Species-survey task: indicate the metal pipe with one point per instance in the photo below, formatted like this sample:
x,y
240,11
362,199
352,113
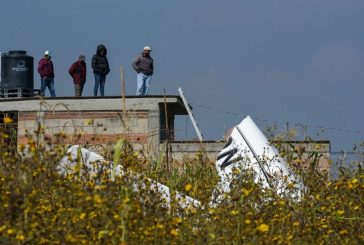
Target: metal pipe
x,y
199,135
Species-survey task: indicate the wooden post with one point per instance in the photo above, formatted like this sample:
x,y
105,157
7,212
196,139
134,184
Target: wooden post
x,y
167,129
122,77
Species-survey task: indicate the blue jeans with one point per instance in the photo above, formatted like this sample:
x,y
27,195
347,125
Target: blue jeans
x,y
47,83
99,81
143,84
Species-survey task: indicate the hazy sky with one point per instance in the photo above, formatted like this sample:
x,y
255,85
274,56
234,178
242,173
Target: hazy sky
x,y
296,61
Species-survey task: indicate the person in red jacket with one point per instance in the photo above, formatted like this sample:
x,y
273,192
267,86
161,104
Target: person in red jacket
x,y
78,73
46,72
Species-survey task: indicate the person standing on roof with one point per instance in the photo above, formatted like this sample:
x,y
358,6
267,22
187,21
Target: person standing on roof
x,y
143,65
46,72
100,66
78,73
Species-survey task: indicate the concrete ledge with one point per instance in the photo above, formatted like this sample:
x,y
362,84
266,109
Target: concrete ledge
x,y
187,147
112,103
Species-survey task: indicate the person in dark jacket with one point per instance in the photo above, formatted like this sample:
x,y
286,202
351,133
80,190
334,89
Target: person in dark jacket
x,y
78,73
143,65
46,72
100,66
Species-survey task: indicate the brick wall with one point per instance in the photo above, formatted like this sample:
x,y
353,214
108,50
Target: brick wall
x,y
23,116
85,127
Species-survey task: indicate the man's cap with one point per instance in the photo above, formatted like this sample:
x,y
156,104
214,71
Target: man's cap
x,y
147,48
47,53
81,57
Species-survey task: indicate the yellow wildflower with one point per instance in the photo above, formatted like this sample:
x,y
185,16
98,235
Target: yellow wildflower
x,y
98,199
234,212
174,232
159,226
20,237
263,228
126,200
101,234
147,232
93,215
282,203
7,120
177,220
340,212
354,181
247,222
236,171
82,216
188,187
246,192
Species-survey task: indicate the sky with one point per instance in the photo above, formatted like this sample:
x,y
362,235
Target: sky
x,y
289,63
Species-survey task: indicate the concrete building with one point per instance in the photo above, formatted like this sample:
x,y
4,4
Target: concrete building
x,y
306,153
99,122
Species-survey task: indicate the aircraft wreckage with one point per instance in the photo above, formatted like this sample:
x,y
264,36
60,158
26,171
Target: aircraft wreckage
x,y
246,148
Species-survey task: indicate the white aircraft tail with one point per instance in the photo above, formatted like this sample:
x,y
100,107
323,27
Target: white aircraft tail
x,y
248,148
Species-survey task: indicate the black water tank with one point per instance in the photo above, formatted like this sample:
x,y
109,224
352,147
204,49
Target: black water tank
x,y
17,70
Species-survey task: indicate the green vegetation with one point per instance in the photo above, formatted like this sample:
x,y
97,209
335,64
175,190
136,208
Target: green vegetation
x,y
39,206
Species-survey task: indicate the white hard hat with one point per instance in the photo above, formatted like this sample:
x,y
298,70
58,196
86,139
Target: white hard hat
x,y
147,48
48,53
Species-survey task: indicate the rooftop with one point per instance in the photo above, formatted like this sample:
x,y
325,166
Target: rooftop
x,y
91,103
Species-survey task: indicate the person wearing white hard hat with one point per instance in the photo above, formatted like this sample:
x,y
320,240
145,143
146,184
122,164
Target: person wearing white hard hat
x,y
46,72
143,65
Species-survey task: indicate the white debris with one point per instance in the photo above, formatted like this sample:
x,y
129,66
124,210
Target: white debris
x,y
248,148
83,159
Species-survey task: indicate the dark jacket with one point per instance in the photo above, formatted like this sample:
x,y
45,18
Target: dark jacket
x,y
78,72
99,62
45,68
144,64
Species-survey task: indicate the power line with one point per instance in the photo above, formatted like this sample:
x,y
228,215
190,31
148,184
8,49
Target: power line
x,y
272,122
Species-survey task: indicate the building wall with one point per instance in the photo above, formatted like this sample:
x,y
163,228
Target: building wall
x,y
306,153
85,127
185,150
93,120
98,121
298,153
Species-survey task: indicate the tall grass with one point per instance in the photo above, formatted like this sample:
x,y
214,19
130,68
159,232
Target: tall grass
x,y
39,206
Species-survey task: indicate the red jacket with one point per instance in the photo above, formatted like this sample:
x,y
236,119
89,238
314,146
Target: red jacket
x,y
78,72
45,68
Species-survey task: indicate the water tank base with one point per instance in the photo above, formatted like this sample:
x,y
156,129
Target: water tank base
x,y
16,93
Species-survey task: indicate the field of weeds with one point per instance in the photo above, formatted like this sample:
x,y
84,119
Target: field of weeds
x,y
40,206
